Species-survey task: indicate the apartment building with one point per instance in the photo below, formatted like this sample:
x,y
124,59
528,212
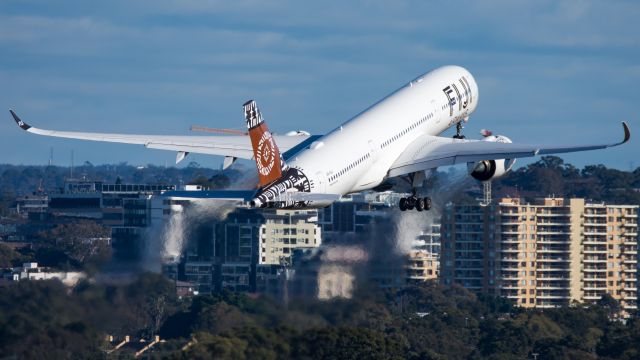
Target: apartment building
x,y
423,260
284,231
546,254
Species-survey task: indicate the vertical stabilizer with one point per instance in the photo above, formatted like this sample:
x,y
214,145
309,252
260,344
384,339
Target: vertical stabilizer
x,y
269,162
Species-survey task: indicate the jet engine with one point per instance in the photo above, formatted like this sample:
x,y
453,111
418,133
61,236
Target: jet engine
x,y
486,170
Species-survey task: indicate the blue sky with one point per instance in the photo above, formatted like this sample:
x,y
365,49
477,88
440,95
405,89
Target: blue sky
x,y
548,71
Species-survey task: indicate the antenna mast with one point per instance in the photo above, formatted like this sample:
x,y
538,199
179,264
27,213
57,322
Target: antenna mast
x,y
71,169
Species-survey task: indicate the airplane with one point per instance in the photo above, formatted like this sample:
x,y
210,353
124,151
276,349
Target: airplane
x,y
395,138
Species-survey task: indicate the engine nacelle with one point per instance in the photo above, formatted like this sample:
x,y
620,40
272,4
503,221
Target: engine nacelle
x,y
486,170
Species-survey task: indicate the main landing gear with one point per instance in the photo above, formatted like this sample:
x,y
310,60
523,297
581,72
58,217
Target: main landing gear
x,y
414,202
458,134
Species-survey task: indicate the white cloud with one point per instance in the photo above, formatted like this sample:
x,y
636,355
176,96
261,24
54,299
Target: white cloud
x,y
162,65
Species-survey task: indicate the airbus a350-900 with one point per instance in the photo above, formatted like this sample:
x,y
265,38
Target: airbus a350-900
x,y
397,137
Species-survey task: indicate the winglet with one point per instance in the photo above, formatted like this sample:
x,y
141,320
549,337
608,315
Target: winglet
x,y
627,132
20,123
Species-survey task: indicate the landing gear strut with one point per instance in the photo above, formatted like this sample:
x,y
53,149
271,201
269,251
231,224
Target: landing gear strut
x,y
458,134
414,202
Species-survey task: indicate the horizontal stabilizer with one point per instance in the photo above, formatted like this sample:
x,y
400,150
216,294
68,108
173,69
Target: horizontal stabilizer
x,y
229,195
304,196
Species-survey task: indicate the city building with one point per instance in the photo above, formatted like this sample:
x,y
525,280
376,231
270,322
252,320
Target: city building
x,y
128,209
354,213
31,271
423,260
550,253
325,273
34,203
272,280
287,230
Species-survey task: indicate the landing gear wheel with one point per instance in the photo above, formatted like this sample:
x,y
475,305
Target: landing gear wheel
x,y
427,203
403,204
458,134
411,202
420,204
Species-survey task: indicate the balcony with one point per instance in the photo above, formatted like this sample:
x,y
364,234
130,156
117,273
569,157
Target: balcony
x,y
551,214
553,223
509,222
595,223
552,287
508,287
552,297
552,251
594,251
595,278
552,268
594,288
552,278
552,259
592,233
593,242
511,278
544,241
595,214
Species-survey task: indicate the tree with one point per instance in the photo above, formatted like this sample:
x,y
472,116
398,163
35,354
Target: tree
x,y
609,304
83,242
10,258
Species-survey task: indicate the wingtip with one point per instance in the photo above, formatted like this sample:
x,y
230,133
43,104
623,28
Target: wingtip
x,y
627,132
18,121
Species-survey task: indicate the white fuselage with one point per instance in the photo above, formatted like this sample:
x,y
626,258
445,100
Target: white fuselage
x,y
357,155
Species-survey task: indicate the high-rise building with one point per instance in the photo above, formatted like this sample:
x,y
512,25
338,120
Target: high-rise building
x,y
287,230
128,209
423,261
354,214
547,254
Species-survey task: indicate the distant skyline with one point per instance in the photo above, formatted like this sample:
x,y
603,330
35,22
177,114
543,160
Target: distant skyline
x,y
548,71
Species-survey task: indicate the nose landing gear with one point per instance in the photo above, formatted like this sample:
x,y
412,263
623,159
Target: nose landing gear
x,y
458,134
414,202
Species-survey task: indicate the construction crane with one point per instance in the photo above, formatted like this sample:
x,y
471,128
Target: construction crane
x,y
217,131
486,194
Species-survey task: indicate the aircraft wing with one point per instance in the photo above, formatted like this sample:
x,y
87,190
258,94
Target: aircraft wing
x,y
238,146
430,152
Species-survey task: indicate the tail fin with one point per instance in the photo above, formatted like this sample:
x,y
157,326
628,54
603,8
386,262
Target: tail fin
x,y
265,151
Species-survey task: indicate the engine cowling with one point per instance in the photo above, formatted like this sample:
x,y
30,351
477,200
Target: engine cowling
x,y
486,170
